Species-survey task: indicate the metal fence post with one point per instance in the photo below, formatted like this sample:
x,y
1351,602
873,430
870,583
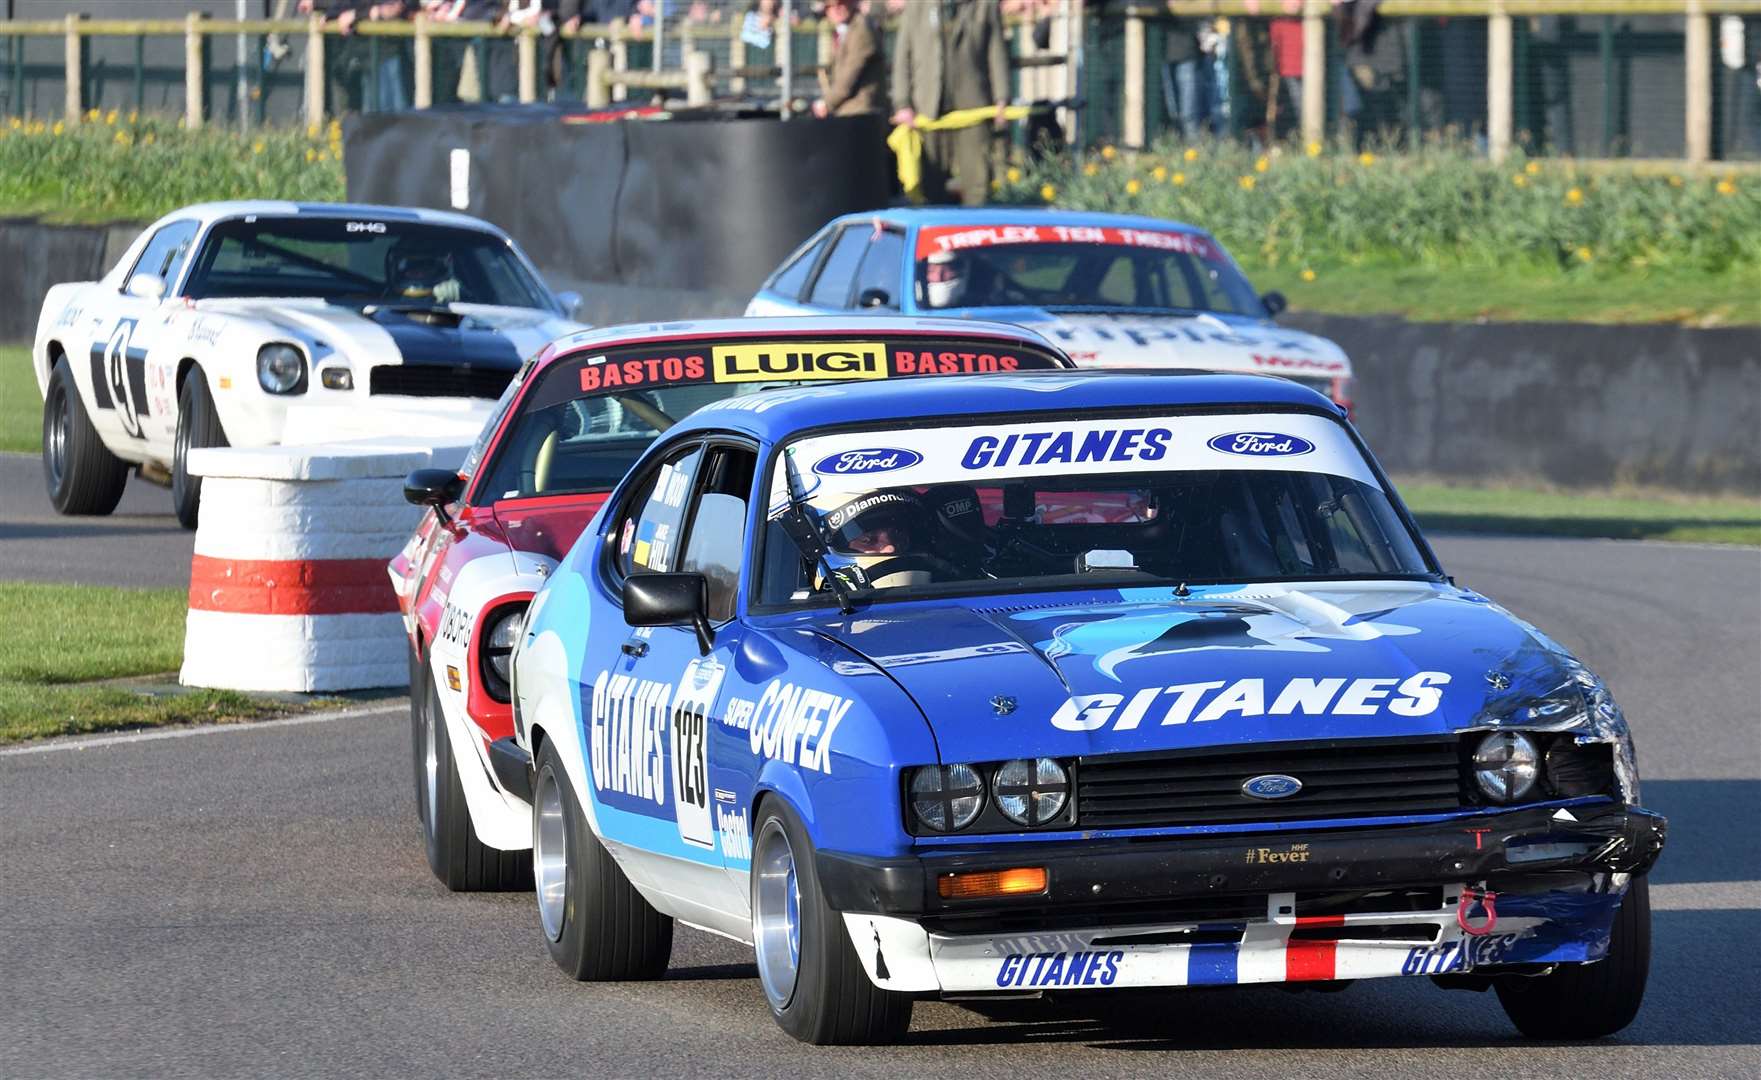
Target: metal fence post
x,y
74,105
783,42
1498,82
192,70
1131,120
315,70
737,60
1699,75
424,64
620,57
1314,71
527,48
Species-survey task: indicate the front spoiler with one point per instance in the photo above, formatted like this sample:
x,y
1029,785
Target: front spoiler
x,y
1099,881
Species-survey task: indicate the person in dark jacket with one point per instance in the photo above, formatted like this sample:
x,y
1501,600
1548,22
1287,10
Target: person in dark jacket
x,y
856,80
951,55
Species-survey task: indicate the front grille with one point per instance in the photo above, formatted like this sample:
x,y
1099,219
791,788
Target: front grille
x,y
439,380
1360,778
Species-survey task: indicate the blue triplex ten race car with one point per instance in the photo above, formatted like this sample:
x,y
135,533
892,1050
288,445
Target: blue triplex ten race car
x,y
1054,682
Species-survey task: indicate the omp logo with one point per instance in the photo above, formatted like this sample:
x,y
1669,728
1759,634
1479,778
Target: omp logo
x,y
1260,444
799,360
863,462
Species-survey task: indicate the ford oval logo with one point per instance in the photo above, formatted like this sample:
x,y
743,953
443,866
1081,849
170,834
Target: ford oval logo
x,y
1261,444
862,462
1271,786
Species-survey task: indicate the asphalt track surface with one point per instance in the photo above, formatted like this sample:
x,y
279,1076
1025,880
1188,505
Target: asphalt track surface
x,y
140,544
254,901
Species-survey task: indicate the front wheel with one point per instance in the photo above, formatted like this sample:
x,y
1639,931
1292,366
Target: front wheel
x,y
812,977
462,862
1588,1001
82,475
598,927
198,426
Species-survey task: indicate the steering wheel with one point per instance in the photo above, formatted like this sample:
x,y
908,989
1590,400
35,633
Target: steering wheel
x,y
903,564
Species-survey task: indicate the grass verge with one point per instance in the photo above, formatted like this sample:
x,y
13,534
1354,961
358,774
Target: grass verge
x,y
21,406
1618,515
61,638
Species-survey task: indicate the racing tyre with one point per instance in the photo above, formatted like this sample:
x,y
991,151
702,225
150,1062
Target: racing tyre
x,y
198,426
812,977
598,927
83,476
1588,1001
462,862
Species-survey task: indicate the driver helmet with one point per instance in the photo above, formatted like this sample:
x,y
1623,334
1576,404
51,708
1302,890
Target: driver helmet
x,y
417,271
878,528
944,279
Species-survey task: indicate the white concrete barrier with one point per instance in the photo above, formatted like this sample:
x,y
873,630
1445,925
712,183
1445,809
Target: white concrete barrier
x,y
288,587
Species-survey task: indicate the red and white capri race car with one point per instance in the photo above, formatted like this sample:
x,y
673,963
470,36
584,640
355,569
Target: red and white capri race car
x,y
570,424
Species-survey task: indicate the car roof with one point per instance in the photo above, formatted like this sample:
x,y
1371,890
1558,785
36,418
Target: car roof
x,y
792,409
217,211
906,217
606,337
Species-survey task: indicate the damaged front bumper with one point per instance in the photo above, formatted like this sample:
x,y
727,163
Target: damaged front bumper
x,y
1237,908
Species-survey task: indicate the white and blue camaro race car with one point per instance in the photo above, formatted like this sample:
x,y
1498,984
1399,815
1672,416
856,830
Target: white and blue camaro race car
x,y
221,319
1061,682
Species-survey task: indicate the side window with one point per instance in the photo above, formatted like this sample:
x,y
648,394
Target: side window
x,y
165,253
881,268
789,280
651,522
832,287
717,542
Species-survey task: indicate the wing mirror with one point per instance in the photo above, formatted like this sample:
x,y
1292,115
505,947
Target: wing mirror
x,y
147,286
570,300
873,298
670,600
1275,303
434,487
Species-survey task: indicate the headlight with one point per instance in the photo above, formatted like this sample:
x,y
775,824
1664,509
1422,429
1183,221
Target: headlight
x,y
496,652
1031,792
281,369
1506,765
946,797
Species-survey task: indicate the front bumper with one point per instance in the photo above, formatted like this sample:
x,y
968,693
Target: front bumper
x,y
1286,907
1114,877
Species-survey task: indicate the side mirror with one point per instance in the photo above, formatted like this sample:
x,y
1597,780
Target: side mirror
x,y
146,286
570,300
1275,303
873,298
434,487
669,600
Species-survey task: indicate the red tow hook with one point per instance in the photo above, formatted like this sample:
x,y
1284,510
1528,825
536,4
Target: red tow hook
x,y
1487,899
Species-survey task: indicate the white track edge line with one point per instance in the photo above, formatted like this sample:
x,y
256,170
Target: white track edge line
x,y
88,742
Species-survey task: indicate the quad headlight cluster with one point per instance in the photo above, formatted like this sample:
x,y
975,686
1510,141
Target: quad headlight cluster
x,y
1520,766
1025,793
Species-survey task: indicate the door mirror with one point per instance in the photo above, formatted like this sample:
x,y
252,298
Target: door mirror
x,y
669,600
146,286
1275,303
434,487
570,300
873,298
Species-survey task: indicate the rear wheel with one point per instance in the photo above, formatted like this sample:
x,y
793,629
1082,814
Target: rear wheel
x,y
462,862
83,476
198,426
1588,1001
598,927
812,977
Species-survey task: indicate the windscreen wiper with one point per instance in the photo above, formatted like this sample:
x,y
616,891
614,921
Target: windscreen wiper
x,y
800,528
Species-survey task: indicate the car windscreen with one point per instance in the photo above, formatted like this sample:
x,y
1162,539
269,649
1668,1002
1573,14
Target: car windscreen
x,y
1118,502
587,418
361,261
1078,267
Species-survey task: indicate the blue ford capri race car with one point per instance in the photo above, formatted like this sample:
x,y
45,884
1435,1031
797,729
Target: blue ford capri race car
x,y
1033,683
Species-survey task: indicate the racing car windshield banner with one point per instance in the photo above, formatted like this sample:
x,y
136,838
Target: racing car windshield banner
x,y
949,238
743,364
834,467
